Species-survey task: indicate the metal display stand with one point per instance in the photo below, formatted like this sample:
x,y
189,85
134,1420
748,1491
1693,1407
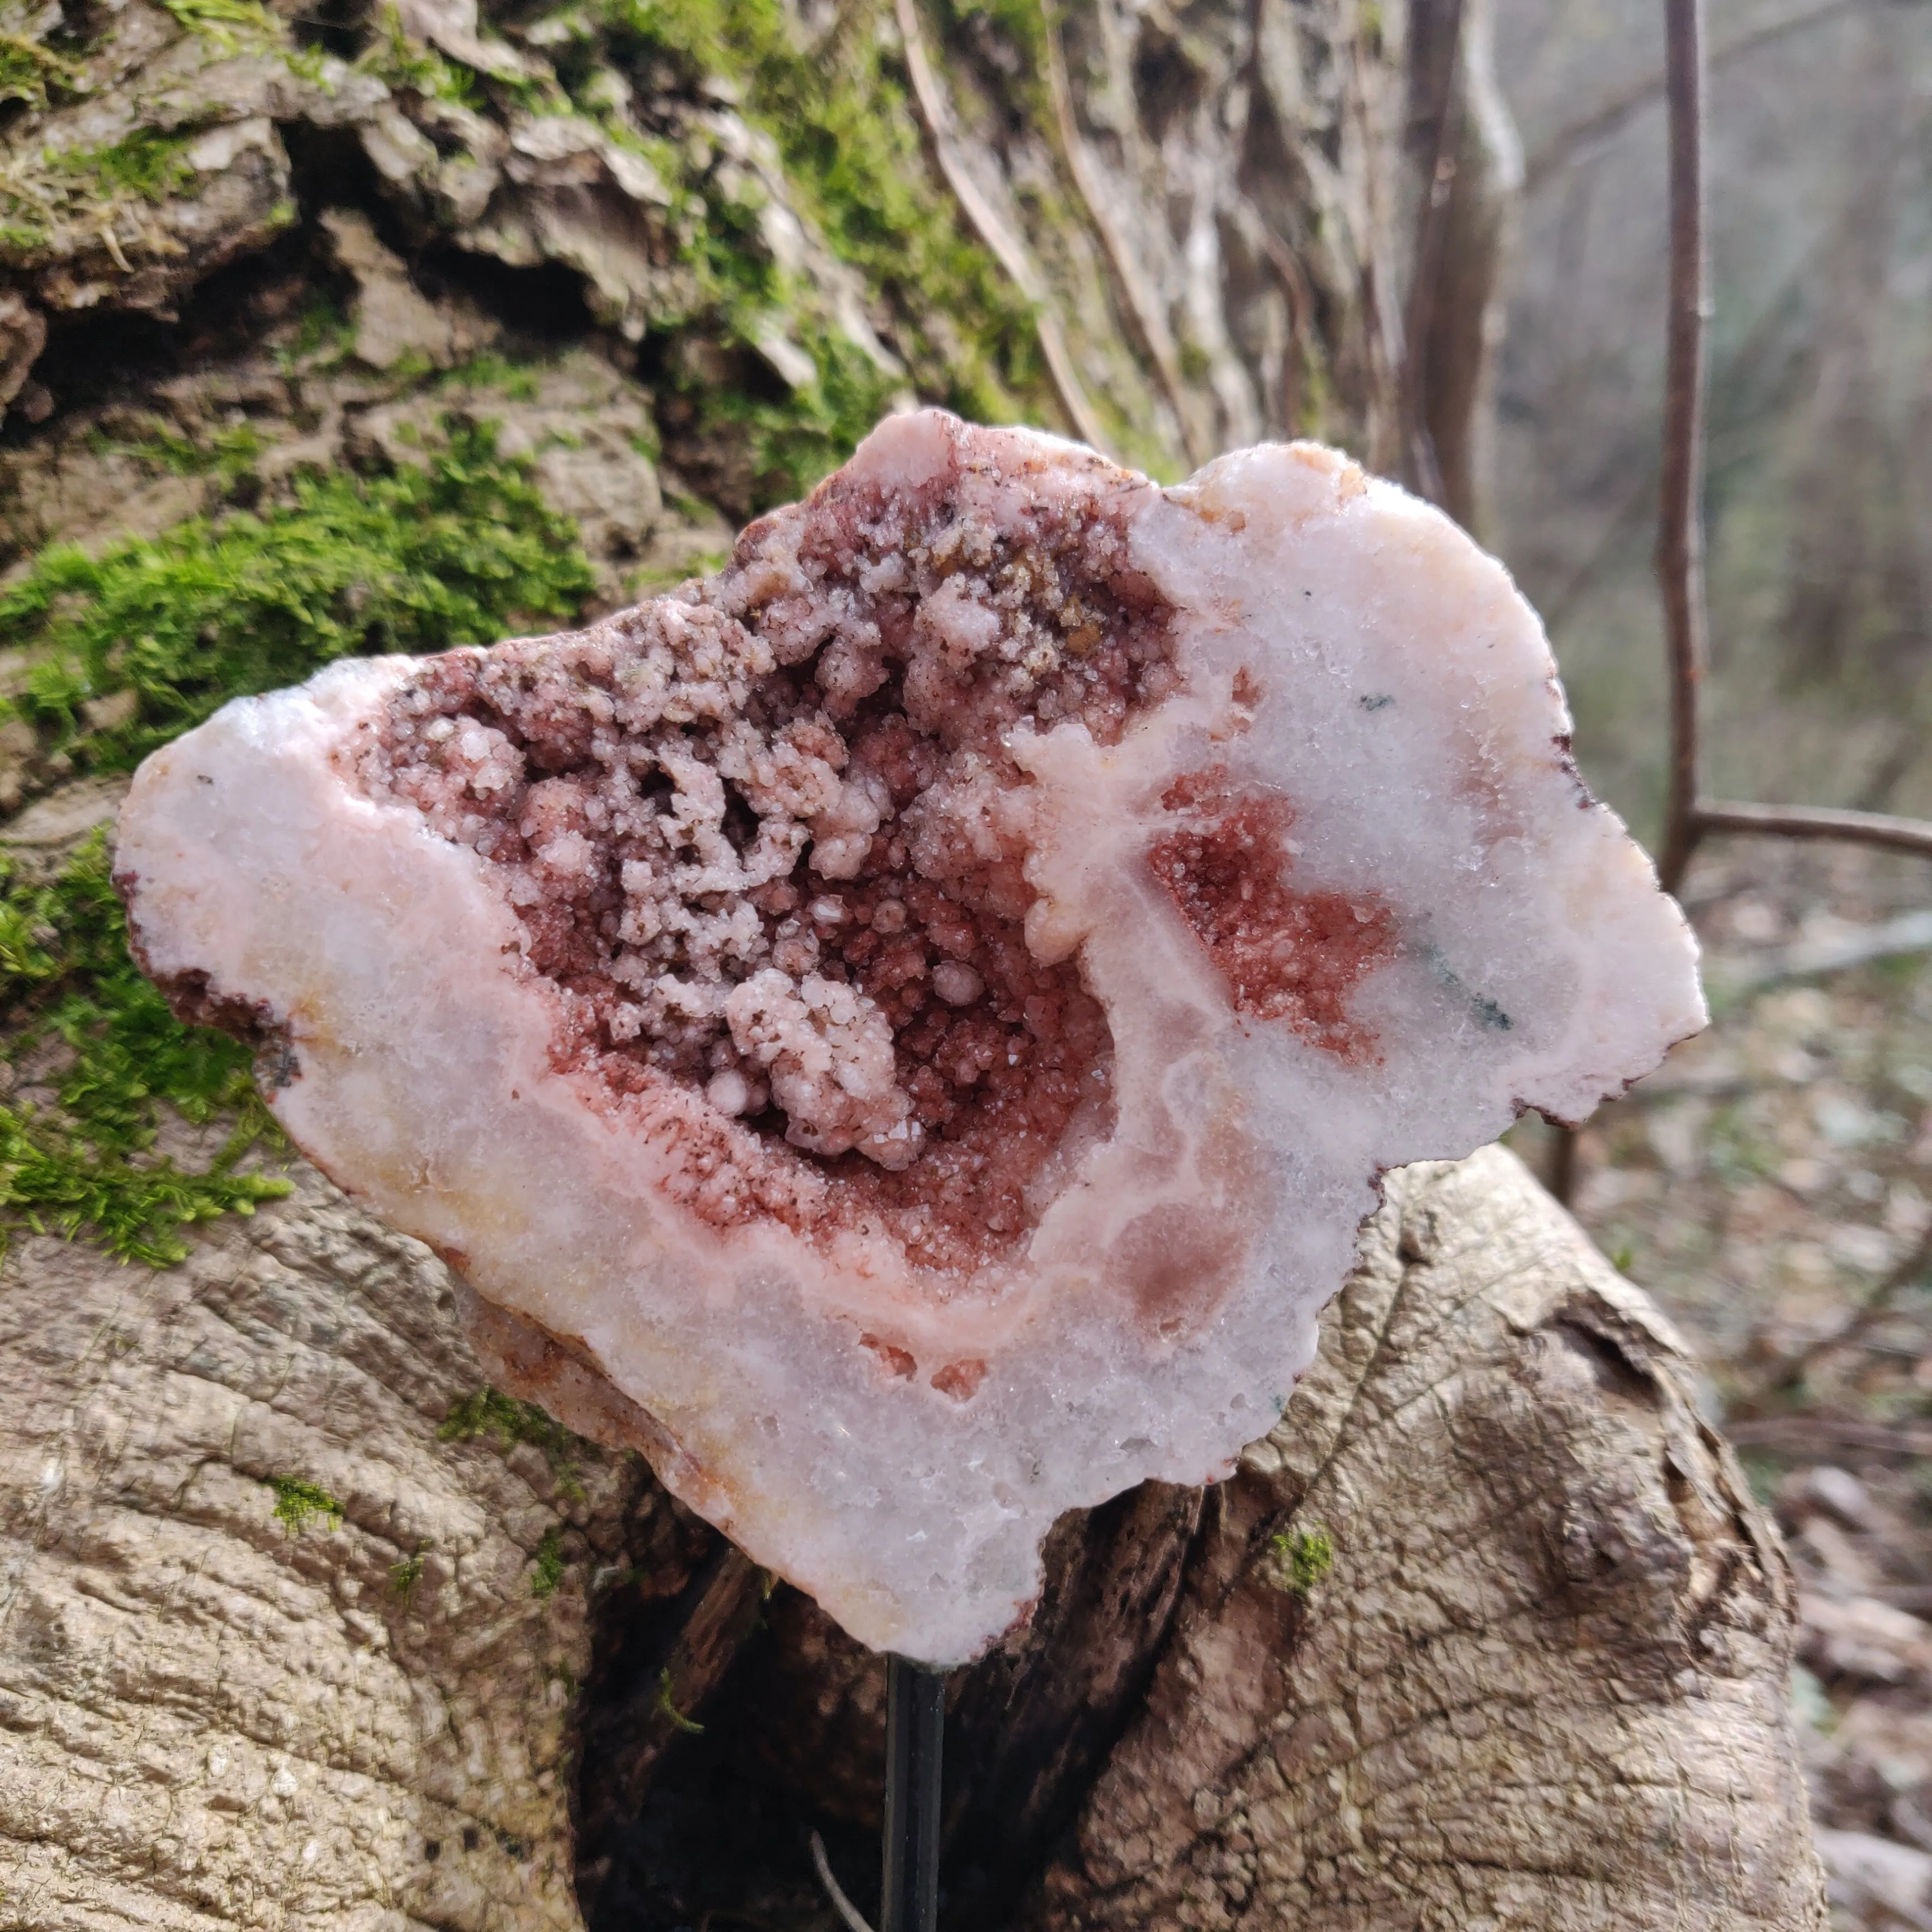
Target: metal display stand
x,y
915,1738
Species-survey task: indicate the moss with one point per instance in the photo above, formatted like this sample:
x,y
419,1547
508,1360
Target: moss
x,y
148,165
668,1706
651,581
31,73
547,1572
399,62
517,381
84,1165
37,194
461,551
405,1575
227,23
1012,34
222,20
1303,1557
324,334
40,194
850,145
298,1502
488,1412
229,454
793,442
395,57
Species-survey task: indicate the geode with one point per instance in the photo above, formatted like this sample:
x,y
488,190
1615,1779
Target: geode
x,y
922,1012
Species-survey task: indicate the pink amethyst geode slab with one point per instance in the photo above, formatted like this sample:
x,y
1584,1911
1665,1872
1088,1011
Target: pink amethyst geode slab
x,y
923,1012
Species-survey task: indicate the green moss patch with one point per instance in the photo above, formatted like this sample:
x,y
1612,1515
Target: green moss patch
x,y
461,551
127,650
849,143
488,1414
231,26
230,453
43,190
1302,1558
298,1502
35,73
547,1573
109,1058
405,1575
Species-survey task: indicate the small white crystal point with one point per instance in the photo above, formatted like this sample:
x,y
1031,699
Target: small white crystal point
x,y
926,1011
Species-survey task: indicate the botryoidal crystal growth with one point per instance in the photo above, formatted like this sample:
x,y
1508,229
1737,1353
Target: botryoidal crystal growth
x,y
923,1012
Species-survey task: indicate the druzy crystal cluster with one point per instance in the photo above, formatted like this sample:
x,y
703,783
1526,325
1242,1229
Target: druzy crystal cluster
x,y
921,1014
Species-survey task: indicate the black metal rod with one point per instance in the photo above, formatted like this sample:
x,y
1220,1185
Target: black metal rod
x,y
915,1737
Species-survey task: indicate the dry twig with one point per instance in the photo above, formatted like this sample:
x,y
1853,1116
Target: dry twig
x,y
1806,1434
853,1917
1787,1375
1689,816
1680,529
1807,821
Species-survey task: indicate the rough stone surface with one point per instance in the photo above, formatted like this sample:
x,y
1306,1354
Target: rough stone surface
x,y
391,319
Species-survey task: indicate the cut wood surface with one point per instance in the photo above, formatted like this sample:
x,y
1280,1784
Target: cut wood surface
x,y
214,1718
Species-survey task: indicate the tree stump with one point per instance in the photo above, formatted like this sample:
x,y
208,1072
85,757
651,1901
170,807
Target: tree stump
x,y
308,1617
1488,1631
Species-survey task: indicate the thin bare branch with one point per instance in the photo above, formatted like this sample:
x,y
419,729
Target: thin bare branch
x,y
1788,1373
1805,821
1566,143
1812,1435
1425,471
1680,525
855,1919
935,110
1143,307
1680,530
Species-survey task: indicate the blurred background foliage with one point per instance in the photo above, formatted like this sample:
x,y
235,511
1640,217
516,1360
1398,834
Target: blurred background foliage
x,y
1820,462
1770,1184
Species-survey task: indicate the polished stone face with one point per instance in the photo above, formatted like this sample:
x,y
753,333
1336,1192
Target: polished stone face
x,y
925,1009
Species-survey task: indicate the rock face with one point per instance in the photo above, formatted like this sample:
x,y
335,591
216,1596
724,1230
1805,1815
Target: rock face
x,y
924,1012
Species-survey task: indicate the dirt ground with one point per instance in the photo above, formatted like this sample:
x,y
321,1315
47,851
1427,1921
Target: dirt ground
x,y
1771,1186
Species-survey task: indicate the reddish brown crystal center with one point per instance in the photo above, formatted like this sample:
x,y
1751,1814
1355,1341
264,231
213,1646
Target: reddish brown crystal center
x,y
765,838
1286,954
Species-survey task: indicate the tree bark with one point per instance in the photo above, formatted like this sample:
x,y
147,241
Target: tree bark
x,y
1541,1681
306,1620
